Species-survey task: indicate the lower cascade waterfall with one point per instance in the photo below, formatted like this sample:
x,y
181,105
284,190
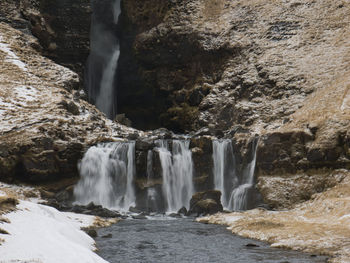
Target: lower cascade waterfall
x,y
107,172
233,186
152,195
177,172
224,171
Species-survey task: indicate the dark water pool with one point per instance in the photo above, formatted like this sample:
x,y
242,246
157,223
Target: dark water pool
x,y
182,240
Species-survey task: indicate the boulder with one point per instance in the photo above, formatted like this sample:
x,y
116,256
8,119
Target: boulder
x,y
207,202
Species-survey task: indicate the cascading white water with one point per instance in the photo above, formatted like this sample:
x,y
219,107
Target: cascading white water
x,y
239,196
151,192
224,169
104,101
103,59
234,187
177,172
107,172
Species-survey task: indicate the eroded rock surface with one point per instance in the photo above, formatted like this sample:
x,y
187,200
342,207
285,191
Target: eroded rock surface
x,y
62,27
45,127
234,69
222,63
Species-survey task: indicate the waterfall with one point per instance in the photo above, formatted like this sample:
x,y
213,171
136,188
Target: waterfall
x,y
177,172
224,169
151,191
107,172
103,59
104,101
234,186
240,195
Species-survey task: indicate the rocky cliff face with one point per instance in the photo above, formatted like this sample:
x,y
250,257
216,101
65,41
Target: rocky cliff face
x,y
61,26
222,63
230,69
239,68
45,122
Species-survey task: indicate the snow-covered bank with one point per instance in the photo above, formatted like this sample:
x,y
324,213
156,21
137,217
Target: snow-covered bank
x,y
321,225
38,233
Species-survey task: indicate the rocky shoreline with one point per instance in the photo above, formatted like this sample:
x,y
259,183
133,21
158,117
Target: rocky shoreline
x,y
320,225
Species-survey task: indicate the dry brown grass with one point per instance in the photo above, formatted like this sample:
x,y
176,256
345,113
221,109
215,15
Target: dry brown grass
x,y
213,8
321,225
332,102
7,204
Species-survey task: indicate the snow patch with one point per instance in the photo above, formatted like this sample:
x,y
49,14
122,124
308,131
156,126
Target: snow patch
x,y
231,219
40,233
345,216
26,93
11,57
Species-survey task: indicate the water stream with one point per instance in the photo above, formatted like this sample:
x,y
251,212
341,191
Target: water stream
x,y
182,240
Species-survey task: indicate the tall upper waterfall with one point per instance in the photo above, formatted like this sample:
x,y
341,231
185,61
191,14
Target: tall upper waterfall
x,y
103,59
234,186
177,172
107,173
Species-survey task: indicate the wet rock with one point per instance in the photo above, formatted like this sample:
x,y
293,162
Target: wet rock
x,y
92,233
207,202
122,119
144,144
140,217
4,232
63,196
252,245
175,215
103,212
133,136
315,155
7,204
182,211
92,206
134,210
107,236
73,108
46,194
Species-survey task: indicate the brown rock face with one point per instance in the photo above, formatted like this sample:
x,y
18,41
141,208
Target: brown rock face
x,y
204,203
220,63
232,68
239,67
45,127
63,29
61,26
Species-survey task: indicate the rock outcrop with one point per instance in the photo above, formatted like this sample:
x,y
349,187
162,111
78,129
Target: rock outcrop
x,y
62,27
45,125
222,63
205,203
238,68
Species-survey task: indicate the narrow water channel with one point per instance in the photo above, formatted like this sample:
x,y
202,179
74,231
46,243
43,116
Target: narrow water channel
x,y
182,240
